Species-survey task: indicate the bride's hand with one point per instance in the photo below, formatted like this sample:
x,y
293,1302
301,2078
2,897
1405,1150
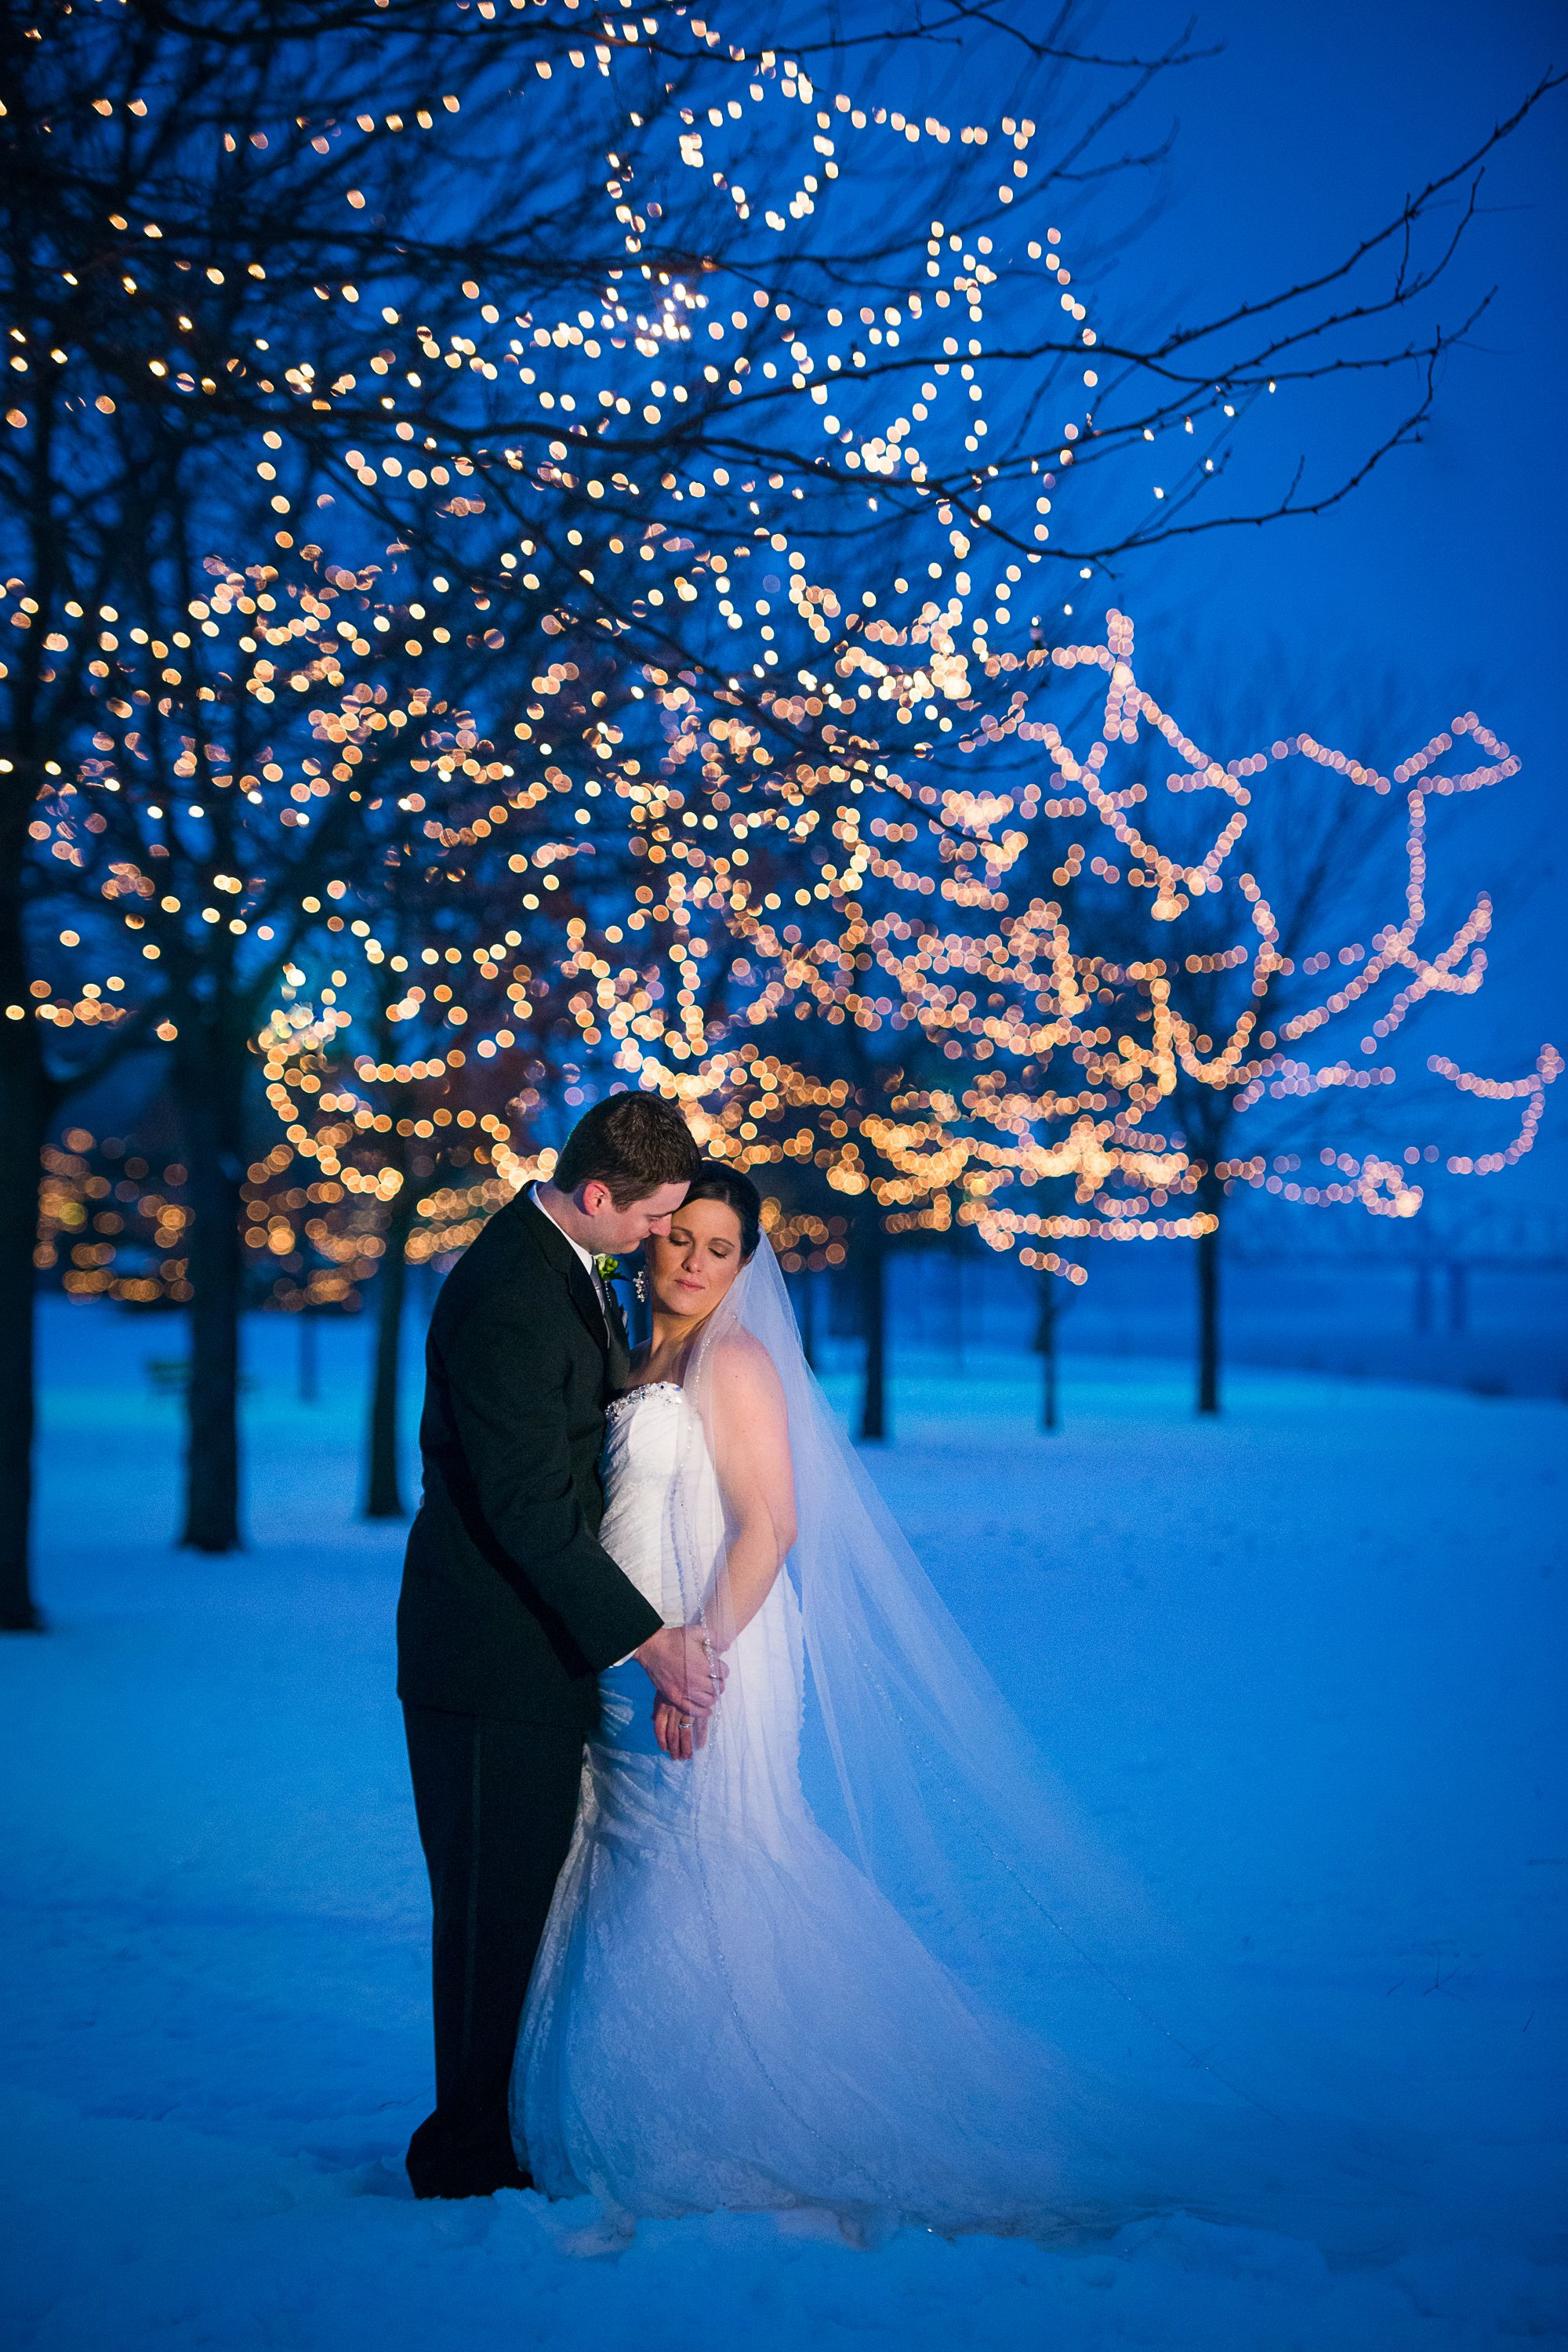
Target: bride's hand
x,y
678,1734
680,1663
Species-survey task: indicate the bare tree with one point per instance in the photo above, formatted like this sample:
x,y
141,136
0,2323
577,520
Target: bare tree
x,y
197,849
1266,925
446,967
185,205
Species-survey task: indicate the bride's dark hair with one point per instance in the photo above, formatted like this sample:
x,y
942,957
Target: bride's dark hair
x,y
714,1182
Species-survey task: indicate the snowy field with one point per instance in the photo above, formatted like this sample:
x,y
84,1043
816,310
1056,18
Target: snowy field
x,y
1303,1669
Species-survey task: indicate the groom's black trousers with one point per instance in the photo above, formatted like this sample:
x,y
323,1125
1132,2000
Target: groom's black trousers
x,y
496,1801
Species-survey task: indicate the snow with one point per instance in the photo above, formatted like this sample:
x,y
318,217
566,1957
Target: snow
x,y
1298,1666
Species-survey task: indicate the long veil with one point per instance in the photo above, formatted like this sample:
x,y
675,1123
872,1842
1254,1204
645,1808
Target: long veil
x,y
917,1770
911,1759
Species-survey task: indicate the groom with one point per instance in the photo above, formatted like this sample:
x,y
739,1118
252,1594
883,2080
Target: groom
x,y
510,1608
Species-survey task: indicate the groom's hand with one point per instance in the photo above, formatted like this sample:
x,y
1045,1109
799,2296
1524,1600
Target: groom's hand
x,y
683,1670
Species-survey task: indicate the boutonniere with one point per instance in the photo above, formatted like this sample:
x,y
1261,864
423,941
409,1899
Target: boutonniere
x,y
609,1269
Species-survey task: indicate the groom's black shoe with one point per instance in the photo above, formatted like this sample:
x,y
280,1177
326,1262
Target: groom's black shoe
x,y
435,2168
471,2184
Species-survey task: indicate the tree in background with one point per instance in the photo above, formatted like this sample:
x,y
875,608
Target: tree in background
x,y
177,201
826,1028
409,1073
782,745
1252,907
185,209
927,1072
236,777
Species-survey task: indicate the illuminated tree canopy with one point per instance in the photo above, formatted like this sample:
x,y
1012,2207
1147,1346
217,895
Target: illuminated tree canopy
x,y
533,547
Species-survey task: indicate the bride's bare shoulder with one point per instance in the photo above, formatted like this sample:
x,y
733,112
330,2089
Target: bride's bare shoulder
x,y
742,1367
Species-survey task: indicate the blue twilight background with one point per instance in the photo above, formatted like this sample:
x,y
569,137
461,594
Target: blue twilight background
x,y
1447,569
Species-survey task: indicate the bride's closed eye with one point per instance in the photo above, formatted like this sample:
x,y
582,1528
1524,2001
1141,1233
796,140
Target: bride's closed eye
x,y
683,1240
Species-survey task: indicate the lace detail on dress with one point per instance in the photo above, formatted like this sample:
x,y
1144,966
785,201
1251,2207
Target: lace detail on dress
x,y
643,1388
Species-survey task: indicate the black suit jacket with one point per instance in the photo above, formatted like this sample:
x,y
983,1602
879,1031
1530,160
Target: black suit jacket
x,y
510,1606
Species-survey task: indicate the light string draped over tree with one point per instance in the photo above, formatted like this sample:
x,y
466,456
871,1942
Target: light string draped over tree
x,y
1227,937
199,847
1102,1070
180,204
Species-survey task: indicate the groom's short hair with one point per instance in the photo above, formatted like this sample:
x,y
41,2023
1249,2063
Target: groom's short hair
x,y
632,1144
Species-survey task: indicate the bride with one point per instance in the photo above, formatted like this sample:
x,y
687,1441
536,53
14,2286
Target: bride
x,y
801,1953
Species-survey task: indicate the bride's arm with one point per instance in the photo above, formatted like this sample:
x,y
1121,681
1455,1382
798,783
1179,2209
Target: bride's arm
x,y
750,1436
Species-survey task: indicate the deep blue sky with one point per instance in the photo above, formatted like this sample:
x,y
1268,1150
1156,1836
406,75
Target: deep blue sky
x,y
1448,568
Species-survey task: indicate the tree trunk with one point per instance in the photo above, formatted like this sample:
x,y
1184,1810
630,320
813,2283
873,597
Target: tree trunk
x,y
958,1301
211,1082
1045,1341
383,1490
1459,1296
872,1254
1209,1200
24,1111
806,1298
1422,1301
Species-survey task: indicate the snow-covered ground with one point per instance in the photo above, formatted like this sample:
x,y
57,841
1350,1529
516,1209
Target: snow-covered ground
x,y
1303,1668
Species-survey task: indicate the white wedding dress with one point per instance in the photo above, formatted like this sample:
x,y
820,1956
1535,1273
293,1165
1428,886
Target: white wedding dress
x,y
726,2011
861,1954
